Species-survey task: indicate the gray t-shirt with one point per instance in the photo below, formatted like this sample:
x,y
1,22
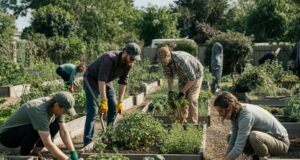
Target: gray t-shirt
x,y
35,112
253,118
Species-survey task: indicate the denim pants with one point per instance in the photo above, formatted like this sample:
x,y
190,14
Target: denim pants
x,y
92,111
26,137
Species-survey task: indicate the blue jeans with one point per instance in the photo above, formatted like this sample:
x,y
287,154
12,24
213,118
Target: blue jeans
x,y
92,111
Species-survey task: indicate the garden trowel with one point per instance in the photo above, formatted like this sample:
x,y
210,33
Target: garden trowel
x,y
96,103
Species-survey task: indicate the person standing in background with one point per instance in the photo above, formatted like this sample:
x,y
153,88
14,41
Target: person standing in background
x,y
216,65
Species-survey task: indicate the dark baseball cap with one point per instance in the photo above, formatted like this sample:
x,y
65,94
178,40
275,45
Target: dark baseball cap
x,y
66,100
133,50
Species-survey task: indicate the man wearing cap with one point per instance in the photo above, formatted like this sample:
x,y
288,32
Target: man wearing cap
x,y
36,122
100,75
190,73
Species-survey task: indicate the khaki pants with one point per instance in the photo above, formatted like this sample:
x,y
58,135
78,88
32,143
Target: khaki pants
x,y
265,145
192,95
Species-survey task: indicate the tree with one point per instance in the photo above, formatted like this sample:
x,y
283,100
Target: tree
x,y
158,23
268,20
202,11
53,21
7,31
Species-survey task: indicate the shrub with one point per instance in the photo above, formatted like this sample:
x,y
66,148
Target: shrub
x,y
293,107
182,140
251,79
188,46
138,131
66,49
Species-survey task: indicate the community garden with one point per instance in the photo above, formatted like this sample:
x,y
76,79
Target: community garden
x,y
151,126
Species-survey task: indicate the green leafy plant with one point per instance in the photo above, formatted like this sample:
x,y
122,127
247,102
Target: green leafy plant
x,y
139,132
2,100
293,107
107,157
182,140
6,112
187,45
251,79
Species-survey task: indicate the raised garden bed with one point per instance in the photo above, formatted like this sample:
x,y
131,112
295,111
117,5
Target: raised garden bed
x,y
152,87
273,101
14,91
91,150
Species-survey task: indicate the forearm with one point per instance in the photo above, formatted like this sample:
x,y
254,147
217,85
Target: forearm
x,y
187,86
55,151
102,90
65,136
170,83
121,92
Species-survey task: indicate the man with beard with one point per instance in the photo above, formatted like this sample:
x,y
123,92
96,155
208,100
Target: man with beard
x,y
100,75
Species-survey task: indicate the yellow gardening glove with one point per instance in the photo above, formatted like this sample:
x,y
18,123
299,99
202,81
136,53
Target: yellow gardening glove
x,y
120,107
104,106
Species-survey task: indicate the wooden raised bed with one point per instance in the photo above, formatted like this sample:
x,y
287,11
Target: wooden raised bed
x,y
291,125
14,91
152,87
279,101
138,156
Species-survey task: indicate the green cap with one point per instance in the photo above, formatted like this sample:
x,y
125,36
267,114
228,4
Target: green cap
x,y
66,100
133,50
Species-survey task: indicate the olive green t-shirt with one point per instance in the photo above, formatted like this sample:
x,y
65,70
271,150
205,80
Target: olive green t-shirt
x,y
35,112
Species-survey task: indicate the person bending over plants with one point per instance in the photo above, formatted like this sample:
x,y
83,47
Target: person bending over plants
x,y
36,122
255,131
190,73
68,72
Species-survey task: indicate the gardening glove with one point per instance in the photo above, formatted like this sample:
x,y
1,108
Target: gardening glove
x,y
180,95
103,106
120,107
74,155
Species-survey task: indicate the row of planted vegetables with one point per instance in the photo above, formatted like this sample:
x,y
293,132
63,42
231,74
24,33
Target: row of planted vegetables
x,y
38,90
271,87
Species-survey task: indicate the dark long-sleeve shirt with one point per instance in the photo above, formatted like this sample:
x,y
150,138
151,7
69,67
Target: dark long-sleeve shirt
x,y
107,68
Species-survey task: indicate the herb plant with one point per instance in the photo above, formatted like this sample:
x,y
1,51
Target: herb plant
x,y
182,140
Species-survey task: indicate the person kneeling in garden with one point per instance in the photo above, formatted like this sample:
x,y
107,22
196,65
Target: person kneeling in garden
x,y
68,72
36,122
255,131
190,73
